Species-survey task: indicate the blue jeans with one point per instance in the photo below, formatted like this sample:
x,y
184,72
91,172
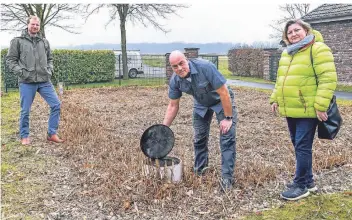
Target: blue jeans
x,y
27,94
302,131
227,143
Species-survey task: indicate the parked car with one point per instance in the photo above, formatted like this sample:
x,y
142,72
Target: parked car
x,y
134,63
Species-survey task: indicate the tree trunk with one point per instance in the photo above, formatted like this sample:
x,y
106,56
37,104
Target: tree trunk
x,y
42,31
123,48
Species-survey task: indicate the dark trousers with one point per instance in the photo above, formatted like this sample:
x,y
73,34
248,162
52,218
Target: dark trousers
x,y
227,143
302,131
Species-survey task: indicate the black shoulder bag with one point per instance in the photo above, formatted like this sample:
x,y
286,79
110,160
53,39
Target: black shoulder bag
x,y
328,129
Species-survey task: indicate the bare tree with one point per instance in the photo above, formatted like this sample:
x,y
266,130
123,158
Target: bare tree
x,y
14,16
138,13
292,11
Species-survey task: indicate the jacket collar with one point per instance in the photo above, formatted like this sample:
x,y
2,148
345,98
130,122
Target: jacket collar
x,y
192,68
26,35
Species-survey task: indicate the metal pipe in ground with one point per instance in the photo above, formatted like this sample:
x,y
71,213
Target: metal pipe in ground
x,y
169,168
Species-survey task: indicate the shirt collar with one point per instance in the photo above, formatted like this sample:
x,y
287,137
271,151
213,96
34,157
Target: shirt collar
x,y
192,68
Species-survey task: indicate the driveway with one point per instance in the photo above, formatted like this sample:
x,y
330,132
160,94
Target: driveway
x,y
339,95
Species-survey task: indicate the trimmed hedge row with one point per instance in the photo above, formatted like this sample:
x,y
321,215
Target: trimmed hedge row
x,y
73,67
246,62
7,77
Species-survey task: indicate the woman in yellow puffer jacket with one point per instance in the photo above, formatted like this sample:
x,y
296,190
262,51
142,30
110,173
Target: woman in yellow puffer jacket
x,y
302,97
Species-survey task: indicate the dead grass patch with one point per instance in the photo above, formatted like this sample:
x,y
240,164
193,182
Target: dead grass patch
x,y
102,128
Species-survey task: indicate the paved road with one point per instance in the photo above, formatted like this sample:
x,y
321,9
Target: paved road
x,y
339,95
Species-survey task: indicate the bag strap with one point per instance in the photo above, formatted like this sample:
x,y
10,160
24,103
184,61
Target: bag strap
x,y
316,78
311,61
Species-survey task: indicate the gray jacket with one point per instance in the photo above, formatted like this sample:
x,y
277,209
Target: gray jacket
x,y
30,58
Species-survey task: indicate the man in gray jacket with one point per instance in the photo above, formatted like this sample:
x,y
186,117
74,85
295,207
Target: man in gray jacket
x,y
30,58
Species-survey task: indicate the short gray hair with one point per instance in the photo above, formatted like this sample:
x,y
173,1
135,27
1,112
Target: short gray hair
x,y
32,17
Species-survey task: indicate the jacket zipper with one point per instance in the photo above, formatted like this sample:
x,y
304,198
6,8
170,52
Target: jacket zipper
x,y
283,84
35,60
302,100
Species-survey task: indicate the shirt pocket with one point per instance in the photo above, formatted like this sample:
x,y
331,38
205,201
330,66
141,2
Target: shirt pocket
x,y
186,87
204,88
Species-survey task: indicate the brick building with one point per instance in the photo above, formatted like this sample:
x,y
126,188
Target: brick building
x,y
334,22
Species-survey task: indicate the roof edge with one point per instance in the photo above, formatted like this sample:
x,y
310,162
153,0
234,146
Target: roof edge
x,y
331,19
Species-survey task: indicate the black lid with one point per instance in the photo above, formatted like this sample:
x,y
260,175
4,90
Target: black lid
x,y
157,141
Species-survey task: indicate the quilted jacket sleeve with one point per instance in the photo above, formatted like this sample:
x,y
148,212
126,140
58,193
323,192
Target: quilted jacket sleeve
x,y
273,97
325,70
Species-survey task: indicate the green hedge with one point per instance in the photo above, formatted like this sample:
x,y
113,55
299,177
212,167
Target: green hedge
x,y
78,66
75,67
6,77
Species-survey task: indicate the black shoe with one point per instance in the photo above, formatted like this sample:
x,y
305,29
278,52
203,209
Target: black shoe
x,y
310,186
225,184
295,193
201,172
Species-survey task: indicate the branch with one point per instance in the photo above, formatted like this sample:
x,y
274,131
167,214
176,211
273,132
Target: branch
x,y
66,28
94,11
31,11
45,17
15,15
291,13
149,13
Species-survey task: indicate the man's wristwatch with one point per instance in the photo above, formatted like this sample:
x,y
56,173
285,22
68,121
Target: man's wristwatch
x,y
229,118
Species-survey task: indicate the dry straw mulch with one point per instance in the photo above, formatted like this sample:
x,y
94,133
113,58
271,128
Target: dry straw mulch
x,y
103,129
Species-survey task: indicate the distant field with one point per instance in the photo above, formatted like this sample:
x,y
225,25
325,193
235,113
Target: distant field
x,y
224,66
154,60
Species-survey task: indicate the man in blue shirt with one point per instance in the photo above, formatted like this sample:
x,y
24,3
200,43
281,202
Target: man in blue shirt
x,y
201,79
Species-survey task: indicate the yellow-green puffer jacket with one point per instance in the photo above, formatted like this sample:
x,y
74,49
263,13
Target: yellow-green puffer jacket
x,y
295,90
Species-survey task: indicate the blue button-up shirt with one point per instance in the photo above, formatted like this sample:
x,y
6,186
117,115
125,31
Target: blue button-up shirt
x,y
202,84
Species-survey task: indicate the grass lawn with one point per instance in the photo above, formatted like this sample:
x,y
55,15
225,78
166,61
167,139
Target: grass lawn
x,y
153,60
329,206
21,166
223,66
344,88
122,82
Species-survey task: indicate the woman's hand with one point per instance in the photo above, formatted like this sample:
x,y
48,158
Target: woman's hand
x,y
274,107
322,116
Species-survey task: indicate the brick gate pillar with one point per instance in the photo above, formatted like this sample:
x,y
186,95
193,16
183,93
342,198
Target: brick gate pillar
x,y
191,52
168,68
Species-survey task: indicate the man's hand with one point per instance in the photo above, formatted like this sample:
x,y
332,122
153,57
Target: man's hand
x,y
225,126
322,116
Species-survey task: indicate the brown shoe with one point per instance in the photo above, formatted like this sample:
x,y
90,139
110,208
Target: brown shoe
x,y
25,141
55,138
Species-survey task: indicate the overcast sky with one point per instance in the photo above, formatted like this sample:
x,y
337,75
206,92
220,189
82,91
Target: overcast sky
x,y
202,22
